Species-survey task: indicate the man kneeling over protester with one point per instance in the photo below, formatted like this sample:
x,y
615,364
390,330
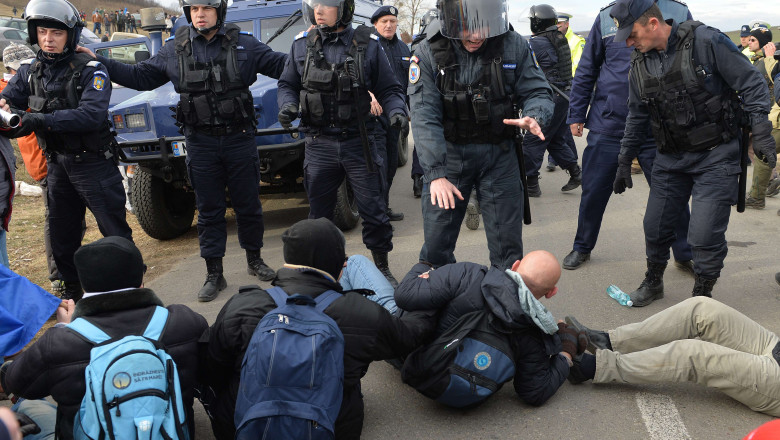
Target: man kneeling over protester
x,y
542,349
733,353
314,253
116,305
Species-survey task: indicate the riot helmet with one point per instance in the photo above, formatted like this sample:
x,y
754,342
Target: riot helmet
x,y
476,19
428,17
219,5
345,11
56,14
542,18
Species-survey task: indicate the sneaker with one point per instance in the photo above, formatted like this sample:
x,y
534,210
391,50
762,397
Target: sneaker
x,y
57,287
752,203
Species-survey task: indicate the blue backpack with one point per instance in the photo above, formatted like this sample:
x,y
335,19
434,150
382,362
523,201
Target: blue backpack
x,y
132,386
292,376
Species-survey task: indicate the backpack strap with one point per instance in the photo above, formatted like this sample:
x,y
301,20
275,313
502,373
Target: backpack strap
x,y
278,295
89,331
156,325
324,299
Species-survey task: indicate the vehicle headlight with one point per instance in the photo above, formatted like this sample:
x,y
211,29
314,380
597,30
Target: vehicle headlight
x,y
135,120
118,122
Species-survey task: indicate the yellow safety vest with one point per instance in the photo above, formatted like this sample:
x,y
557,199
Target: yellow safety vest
x,y
576,45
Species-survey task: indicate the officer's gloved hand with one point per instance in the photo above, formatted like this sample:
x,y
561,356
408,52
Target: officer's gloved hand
x,y
764,143
399,121
623,175
30,123
287,114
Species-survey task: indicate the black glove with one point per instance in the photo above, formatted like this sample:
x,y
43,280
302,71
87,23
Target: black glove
x,y
399,121
623,175
287,114
569,339
30,123
764,143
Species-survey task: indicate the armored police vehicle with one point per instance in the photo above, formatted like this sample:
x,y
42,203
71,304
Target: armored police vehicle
x,y
161,195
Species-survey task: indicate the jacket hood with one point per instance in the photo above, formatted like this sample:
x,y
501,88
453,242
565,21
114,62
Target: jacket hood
x,y
500,294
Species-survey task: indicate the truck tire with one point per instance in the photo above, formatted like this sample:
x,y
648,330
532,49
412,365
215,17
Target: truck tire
x,y
403,150
345,214
163,211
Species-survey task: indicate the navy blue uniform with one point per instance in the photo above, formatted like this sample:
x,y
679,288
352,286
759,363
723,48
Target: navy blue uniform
x,y
333,153
76,181
214,162
710,176
604,67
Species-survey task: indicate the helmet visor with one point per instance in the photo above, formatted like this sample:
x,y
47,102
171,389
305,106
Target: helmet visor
x,y
473,19
213,3
327,13
56,10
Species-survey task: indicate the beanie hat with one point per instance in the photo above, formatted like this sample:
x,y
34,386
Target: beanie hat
x,y
315,243
763,35
14,54
111,263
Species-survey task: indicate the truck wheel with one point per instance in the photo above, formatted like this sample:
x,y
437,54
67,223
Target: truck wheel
x,y
403,150
345,215
164,212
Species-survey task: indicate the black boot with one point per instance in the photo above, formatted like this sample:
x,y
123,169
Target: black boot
x,y
215,282
703,286
417,186
472,213
596,339
652,287
575,178
255,266
71,290
380,259
394,216
533,186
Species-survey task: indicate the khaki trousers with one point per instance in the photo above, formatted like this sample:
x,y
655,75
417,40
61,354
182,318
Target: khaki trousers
x,y
762,174
733,354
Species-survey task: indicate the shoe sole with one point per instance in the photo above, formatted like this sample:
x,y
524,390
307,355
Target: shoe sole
x,y
580,263
566,188
472,217
572,322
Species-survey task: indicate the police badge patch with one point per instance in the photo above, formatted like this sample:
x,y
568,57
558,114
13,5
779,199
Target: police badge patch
x,y
98,82
414,73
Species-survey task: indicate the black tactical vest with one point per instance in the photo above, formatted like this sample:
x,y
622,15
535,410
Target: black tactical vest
x,y
67,97
560,73
327,95
473,113
684,115
213,98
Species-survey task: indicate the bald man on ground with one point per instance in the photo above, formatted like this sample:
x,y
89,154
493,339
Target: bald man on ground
x,y
543,347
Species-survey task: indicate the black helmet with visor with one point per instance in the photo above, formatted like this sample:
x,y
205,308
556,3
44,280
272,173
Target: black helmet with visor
x,y
473,19
346,9
219,5
56,14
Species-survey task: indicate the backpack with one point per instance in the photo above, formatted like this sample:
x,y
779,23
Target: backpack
x,y
292,376
132,386
463,366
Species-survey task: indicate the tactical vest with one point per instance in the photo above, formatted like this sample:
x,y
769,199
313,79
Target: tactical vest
x,y
213,99
473,113
560,73
328,93
66,97
761,66
684,116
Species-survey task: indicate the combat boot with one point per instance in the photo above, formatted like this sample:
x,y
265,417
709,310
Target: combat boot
x,y
575,178
380,259
652,287
472,213
71,290
417,186
394,216
215,282
703,286
533,186
255,266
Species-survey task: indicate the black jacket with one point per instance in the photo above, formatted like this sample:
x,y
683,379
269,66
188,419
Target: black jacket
x,y
370,334
460,288
54,365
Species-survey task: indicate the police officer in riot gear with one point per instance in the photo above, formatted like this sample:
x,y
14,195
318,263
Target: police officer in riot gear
x,y
554,56
464,81
429,19
324,81
684,80
68,94
217,117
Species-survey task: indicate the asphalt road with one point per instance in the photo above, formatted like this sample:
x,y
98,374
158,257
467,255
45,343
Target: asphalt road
x,y
669,411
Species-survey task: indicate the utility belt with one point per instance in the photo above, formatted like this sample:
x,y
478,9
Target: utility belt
x,y
223,130
341,132
104,152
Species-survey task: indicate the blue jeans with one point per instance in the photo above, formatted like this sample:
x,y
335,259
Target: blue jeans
x,y
43,413
361,273
3,249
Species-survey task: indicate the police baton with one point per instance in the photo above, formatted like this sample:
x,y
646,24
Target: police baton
x,y
743,161
517,139
559,91
349,64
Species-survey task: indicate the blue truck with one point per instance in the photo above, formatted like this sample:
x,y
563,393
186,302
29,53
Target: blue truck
x,y
161,195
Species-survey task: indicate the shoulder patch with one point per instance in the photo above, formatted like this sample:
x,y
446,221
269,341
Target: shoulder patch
x,y
374,37
100,72
98,82
301,34
533,55
414,72
94,63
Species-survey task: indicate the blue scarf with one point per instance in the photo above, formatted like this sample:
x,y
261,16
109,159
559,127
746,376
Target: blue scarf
x,y
532,306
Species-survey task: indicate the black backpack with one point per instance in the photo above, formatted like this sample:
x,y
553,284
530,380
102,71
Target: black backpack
x,y
463,366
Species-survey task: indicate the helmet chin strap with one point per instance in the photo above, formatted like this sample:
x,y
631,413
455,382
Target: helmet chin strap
x,y
205,31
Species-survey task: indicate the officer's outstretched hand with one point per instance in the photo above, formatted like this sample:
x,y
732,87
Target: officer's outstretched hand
x,y
623,176
527,123
764,143
399,121
287,114
443,192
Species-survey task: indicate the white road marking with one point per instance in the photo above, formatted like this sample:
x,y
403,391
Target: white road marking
x,y
662,420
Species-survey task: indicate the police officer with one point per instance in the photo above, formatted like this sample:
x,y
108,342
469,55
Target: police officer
x,y
463,79
385,21
67,94
683,83
217,116
323,79
429,21
553,55
600,91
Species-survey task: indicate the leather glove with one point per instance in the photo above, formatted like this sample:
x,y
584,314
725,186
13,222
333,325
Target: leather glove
x,y
30,123
399,121
569,339
287,114
623,175
764,143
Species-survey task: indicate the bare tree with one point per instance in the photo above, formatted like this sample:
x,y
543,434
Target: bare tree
x,y
410,12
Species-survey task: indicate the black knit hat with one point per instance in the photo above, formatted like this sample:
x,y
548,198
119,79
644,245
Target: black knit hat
x,y
111,263
763,35
315,243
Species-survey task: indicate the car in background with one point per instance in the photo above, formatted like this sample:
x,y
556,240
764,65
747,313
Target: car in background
x,y
88,37
16,23
10,35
